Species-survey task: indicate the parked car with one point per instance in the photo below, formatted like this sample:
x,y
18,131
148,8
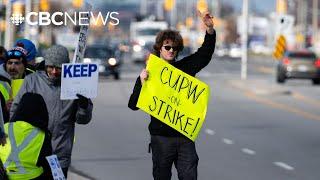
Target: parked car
x,y
235,51
299,65
108,58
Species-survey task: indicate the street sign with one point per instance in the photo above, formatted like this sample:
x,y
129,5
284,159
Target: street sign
x,y
284,24
280,47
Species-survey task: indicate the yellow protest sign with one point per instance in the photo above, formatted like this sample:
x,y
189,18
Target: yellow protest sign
x,y
15,86
174,97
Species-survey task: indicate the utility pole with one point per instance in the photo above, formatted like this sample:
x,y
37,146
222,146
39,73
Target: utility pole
x,y
302,18
173,14
314,22
143,7
244,38
8,32
26,25
160,10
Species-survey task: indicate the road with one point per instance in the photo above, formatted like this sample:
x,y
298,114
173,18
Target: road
x,y
254,128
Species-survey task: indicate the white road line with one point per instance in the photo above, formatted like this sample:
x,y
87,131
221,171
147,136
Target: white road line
x,y
248,151
284,166
227,141
210,132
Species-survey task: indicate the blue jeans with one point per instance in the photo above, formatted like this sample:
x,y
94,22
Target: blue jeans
x,y
178,150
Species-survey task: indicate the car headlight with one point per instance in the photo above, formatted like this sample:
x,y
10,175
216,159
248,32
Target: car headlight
x,y
112,61
86,60
137,48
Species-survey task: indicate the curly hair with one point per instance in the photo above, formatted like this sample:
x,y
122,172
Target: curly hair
x,y
168,34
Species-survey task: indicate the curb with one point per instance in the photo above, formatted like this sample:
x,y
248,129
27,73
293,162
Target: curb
x,y
74,174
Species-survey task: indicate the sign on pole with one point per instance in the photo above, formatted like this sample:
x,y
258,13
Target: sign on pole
x,y
79,78
174,97
280,47
84,30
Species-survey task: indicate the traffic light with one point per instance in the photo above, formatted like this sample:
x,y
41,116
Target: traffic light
x,y
17,8
77,3
202,6
280,47
282,6
189,22
168,5
44,5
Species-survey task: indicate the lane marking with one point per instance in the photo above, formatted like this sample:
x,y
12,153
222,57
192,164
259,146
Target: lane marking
x,y
284,166
306,99
227,141
282,106
248,151
265,70
210,132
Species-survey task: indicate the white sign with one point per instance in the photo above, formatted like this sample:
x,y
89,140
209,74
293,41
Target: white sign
x,y
79,78
84,29
56,170
284,23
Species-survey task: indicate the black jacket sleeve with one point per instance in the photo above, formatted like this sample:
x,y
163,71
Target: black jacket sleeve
x,y
46,150
132,104
201,58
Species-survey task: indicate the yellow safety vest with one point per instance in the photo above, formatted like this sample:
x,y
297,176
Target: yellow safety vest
x,y
15,86
5,90
20,154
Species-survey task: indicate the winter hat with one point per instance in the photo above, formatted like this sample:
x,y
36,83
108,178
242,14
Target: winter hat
x,y
28,46
56,55
17,53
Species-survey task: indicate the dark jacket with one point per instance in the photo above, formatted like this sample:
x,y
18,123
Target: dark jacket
x,y
191,65
32,109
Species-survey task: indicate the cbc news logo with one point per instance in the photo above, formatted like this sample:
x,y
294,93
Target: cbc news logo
x,y
64,18
17,19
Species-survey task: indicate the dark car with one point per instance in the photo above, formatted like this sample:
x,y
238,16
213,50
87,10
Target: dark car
x,y
108,58
299,65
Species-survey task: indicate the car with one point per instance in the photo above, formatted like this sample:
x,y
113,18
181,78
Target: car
x,y
142,37
235,51
299,65
108,59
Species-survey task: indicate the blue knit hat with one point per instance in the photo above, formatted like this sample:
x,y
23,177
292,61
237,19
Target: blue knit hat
x,y
29,46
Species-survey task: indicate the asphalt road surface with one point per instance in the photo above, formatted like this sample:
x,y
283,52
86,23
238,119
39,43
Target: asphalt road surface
x,y
255,129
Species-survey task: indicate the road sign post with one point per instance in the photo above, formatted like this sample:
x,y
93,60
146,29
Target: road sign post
x,y
280,47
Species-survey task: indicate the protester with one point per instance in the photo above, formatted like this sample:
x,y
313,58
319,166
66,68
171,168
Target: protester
x,y
63,113
31,53
168,145
29,142
16,63
3,54
12,71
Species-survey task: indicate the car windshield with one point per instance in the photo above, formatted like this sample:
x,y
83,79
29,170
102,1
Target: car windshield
x,y
148,32
306,56
97,52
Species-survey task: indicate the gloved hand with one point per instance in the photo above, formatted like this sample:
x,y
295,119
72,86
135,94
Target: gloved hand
x,y
83,102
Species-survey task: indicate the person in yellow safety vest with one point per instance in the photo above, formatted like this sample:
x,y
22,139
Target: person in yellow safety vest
x,y
12,73
28,141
